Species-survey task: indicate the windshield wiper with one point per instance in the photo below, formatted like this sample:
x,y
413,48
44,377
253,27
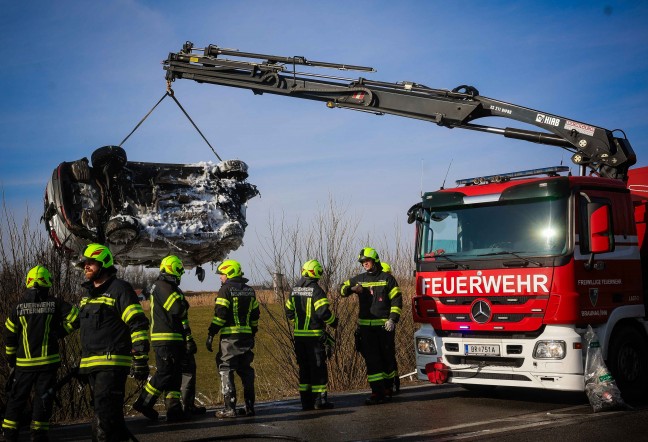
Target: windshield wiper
x,y
516,254
461,266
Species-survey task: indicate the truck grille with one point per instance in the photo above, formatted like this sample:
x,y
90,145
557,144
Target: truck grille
x,y
485,361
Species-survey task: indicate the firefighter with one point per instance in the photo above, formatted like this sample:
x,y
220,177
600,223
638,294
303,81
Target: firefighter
x,y
380,303
171,340
236,317
386,267
308,309
32,331
114,337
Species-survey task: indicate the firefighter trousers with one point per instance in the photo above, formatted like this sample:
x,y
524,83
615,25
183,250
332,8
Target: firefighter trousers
x,y
108,389
379,352
17,398
167,378
235,356
188,385
311,358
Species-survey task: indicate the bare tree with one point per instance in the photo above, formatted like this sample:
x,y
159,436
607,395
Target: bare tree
x,y
332,237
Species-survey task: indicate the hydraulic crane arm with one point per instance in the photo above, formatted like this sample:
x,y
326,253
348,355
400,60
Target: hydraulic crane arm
x,y
592,146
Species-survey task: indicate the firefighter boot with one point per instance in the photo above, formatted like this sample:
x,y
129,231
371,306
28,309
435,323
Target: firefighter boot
x,y
173,409
10,434
230,407
144,404
39,435
306,398
321,401
249,396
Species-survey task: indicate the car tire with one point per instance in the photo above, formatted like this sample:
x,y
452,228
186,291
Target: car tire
x,y
113,157
236,169
121,230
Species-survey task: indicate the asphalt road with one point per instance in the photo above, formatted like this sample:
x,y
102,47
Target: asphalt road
x,y
422,412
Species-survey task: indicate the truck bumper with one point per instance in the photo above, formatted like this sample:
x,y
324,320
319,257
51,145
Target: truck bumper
x,y
515,366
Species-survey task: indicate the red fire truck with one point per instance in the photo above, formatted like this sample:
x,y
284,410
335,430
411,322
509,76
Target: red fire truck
x,y
511,268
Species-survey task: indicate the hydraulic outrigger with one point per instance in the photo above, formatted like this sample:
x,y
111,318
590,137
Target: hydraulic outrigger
x,y
592,146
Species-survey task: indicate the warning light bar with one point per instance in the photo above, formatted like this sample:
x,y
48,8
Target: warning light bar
x,y
503,177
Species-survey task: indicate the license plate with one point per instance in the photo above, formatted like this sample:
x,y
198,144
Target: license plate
x,y
478,349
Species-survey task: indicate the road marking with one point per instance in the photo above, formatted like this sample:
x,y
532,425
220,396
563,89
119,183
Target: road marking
x,y
554,417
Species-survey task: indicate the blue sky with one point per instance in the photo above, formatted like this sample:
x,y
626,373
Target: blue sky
x,y
77,75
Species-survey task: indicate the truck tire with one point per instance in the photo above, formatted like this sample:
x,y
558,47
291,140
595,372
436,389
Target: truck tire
x,y
628,362
120,230
113,157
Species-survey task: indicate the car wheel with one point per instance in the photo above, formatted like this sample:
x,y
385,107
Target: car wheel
x,y
236,169
628,362
121,230
113,157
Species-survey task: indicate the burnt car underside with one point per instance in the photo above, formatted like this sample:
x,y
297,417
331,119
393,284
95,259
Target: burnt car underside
x,y
145,211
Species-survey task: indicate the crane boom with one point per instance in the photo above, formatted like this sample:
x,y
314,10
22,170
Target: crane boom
x,y
592,146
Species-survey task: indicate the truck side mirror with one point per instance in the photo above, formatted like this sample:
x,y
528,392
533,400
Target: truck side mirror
x,y
600,234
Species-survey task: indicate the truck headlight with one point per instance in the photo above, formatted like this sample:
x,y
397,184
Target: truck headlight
x,y
549,350
425,346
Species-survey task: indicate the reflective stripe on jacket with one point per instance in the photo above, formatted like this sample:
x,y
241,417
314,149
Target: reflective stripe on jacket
x,y
381,298
169,310
112,324
236,310
308,308
34,326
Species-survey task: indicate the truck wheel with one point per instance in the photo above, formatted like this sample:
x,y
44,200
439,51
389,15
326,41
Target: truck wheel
x,y
121,230
114,157
628,362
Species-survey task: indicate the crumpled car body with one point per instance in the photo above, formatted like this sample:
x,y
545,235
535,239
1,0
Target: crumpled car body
x,y
146,211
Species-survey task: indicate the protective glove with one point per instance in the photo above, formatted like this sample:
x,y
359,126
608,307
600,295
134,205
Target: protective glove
x,y
11,360
390,325
139,367
190,346
254,331
357,288
209,343
334,324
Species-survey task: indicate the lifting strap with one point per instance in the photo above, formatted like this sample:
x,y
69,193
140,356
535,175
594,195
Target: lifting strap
x,y
169,93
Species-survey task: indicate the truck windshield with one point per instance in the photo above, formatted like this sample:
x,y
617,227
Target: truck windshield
x,y
535,227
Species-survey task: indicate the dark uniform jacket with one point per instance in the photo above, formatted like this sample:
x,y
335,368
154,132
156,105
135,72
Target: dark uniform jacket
x,y
308,307
381,298
169,312
112,324
236,312
33,328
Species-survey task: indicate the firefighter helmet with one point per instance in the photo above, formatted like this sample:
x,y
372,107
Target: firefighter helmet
x,y
385,267
39,276
312,269
368,253
100,254
229,268
172,265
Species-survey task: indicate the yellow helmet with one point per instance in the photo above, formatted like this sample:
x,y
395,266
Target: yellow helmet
x,y
312,269
385,267
368,253
172,265
100,254
39,276
229,268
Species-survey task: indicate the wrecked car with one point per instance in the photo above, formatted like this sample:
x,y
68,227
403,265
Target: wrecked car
x,y
145,211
